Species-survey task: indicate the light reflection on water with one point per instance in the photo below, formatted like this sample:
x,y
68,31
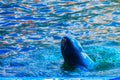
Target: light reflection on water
x,y
31,31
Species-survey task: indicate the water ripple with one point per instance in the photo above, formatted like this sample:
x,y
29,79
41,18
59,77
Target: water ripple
x,y
29,28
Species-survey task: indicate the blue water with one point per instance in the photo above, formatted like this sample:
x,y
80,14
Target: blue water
x,y
31,31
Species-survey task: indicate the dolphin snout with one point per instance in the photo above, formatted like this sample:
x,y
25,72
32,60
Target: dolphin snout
x,y
63,43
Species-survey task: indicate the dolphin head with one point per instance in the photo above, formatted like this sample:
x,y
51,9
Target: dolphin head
x,y
71,51
70,43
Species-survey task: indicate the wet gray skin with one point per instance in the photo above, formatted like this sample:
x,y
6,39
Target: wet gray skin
x,y
73,54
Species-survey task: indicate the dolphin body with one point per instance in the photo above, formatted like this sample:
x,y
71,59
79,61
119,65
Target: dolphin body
x,y
73,54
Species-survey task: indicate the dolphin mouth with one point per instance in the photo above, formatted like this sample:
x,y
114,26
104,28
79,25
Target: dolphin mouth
x,y
63,43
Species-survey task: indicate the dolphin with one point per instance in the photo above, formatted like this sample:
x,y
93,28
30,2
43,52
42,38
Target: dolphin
x,y
73,54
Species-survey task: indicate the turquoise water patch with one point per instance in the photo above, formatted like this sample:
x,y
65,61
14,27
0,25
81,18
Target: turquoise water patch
x,y
104,57
43,62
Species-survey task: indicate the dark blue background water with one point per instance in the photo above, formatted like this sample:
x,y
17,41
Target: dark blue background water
x,y
31,31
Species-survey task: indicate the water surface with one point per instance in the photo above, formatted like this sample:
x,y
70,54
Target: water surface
x,y
31,31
